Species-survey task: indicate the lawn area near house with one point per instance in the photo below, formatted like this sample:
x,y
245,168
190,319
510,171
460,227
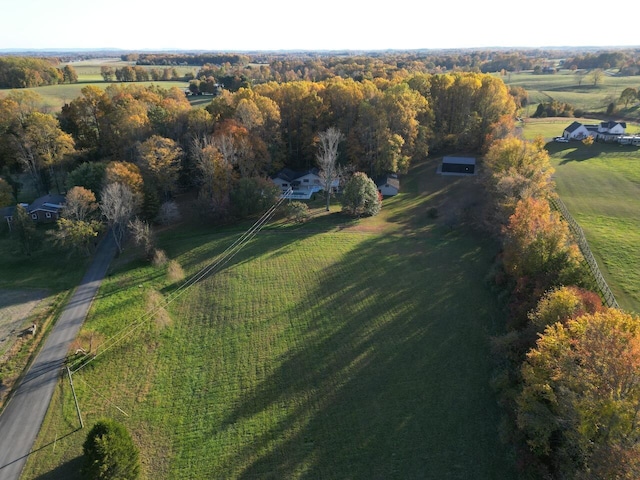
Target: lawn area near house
x,y
547,128
335,349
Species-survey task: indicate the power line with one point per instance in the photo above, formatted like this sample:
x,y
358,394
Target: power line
x,y
210,269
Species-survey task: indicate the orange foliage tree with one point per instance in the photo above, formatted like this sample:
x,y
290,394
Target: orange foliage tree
x,y
581,397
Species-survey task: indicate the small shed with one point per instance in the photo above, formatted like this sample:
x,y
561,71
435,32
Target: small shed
x,y
388,185
458,166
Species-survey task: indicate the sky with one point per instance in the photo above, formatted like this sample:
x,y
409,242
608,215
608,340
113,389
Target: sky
x,y
251,25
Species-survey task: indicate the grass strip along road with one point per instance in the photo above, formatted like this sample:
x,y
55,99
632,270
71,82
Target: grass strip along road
x,y
21,419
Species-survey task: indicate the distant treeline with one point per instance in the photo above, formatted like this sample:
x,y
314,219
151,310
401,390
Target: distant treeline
x,y
27,72
186,59
287,67
627,61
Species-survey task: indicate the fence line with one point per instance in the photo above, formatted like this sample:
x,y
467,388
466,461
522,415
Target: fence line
x,y
581,240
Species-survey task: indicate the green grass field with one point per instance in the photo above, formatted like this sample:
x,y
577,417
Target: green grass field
x,y
336,349
601,187
569,87
55,96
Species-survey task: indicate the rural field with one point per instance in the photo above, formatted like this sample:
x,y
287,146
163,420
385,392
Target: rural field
x,y
55,96
600,185
574,88
601,188
335,349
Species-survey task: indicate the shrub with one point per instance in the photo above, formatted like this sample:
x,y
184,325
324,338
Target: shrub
x,y
159,258
298,212
109,453
360,196
175,271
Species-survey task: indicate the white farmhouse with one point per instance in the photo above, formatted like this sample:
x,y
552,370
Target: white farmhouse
x,y
576,131
303,184
603,132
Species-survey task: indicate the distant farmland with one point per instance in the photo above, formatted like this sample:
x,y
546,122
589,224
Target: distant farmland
x,y
55,96
576,89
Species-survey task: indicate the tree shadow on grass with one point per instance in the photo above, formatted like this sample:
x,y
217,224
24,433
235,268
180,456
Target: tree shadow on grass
x,y
68,471
390,377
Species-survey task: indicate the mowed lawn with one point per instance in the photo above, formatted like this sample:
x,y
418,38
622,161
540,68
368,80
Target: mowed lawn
x,y
601,187
338,349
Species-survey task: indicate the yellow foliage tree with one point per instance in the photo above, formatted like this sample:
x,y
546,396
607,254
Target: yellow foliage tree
x,y
581,396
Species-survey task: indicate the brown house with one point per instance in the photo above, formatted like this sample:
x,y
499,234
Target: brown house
x,y
43,210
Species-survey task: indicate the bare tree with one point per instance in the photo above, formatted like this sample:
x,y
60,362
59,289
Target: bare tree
x,y
117,206
227,148
327,159
80,205
142,236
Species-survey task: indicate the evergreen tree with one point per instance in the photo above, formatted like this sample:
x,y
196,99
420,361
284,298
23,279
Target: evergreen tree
x,y
360,196
109,453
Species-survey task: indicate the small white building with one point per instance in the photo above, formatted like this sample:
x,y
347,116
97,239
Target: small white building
x,y
388,185
629,140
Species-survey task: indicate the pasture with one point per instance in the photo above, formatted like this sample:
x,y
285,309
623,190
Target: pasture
x,y
601,188
600,184
335,349
575,88
55,96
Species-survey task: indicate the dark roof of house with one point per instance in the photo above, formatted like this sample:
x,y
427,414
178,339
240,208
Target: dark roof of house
x,y
48,203
610,124
391,180
573,127
290,175
460,160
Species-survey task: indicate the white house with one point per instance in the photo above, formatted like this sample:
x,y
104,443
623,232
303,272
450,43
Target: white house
x,y
303,184
577,131
604,131
612,128
388,185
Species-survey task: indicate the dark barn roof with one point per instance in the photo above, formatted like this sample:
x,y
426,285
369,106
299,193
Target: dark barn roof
x,y
459,165
573,127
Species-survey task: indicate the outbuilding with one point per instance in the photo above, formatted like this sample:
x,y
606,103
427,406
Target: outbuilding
x,y
458,166
388,185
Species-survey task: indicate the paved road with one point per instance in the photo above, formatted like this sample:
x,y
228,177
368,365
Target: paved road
x,y
22,417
